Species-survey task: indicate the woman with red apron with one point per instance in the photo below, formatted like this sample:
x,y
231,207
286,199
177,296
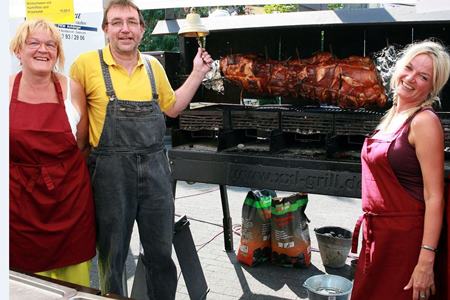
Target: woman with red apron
x,y
52,226
402,185
393,229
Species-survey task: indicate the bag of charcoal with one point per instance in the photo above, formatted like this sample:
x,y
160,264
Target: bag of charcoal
x,y
291,243
254,246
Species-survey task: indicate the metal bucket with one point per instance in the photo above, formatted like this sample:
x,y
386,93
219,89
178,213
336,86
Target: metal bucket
x,y
328,287
334,245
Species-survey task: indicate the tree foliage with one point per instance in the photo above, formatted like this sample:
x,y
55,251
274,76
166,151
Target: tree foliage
x,y
268,9
156,43
335,6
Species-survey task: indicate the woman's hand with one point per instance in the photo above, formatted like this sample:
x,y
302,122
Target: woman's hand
x,y
422,280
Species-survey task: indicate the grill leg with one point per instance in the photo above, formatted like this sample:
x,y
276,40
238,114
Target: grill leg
x,y
174,187
227,230
124,282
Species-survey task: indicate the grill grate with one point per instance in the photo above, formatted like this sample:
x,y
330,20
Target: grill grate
x,y
195,120
307,122
445,120
255,119
355,124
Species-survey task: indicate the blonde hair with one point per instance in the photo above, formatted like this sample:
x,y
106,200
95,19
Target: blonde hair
x,y
30,26
441,71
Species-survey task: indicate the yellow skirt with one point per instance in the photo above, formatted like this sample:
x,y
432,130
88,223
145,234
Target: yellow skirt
x,y
77,274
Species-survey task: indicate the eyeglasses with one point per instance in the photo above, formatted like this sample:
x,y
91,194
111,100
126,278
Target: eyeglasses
x,y
118,24
35,44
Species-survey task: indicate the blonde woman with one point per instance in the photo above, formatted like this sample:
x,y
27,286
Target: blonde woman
x,y
403,184
52,226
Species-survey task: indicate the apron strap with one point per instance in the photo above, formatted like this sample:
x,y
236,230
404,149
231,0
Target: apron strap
x,y
15,91
107,77
356,231
58,88
47,179
407,122
367,240
148,67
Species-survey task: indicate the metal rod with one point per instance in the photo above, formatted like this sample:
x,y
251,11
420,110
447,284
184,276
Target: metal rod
x,y
364,44
279,48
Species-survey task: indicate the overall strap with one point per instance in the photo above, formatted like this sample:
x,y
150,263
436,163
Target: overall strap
x,y
107,77
148,67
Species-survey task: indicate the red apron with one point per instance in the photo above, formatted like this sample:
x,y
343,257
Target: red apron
x,y
442,261
51,209
393,227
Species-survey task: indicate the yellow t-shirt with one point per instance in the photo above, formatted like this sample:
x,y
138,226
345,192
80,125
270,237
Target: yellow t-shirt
x,y
135,87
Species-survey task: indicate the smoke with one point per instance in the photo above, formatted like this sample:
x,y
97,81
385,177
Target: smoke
x,y
213,79
385,60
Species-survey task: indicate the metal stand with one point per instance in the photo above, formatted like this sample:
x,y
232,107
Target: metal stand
x,y
189,262
227,222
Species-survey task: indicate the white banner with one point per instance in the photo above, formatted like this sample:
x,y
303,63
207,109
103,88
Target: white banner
x,y
157,4
424,6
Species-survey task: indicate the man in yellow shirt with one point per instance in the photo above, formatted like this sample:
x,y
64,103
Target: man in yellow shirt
x,y
127,95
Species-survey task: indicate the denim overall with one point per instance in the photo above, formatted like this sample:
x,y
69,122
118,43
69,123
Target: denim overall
x,y
131,181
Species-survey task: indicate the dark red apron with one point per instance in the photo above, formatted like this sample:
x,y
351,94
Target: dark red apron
x,y
442,261
51,208
393,227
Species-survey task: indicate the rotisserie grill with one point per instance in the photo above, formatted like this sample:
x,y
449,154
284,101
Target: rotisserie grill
x,y
318,82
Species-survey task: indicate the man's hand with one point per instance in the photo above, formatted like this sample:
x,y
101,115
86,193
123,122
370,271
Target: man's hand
x,y
202,62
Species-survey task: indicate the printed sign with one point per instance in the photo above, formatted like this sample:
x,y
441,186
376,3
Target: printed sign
x,y
57,11
83,35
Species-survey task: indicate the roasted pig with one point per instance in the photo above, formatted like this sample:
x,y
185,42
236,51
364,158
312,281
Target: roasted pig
x,y
352,82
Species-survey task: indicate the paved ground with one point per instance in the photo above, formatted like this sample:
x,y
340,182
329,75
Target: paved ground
x,y
227,278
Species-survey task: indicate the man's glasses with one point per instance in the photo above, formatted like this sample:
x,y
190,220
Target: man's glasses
x,y
35,44
118,24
